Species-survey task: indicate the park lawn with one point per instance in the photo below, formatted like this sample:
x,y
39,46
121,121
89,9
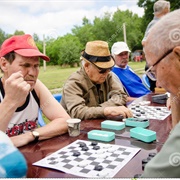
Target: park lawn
x,y
55,76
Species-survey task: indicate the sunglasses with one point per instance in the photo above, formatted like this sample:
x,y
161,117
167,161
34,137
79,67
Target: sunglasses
x,y
102,70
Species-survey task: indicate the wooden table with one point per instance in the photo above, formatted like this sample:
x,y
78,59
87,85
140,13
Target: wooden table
x,y
36,151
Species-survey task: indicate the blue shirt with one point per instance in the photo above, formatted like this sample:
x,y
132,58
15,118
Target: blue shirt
x,y
131,81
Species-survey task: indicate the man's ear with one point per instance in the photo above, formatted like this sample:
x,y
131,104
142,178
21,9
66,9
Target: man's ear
x,y
176,50
86,64
3,64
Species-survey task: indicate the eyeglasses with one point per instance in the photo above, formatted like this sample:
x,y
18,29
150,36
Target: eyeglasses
x,y
150,73
102,70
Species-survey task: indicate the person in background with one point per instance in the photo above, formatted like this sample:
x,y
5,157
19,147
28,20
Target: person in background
x,y
160,8
130,80
93,91
162,51
22,94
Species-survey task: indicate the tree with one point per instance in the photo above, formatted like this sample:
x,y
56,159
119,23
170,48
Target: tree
x,y
65,50
84,32
104,27
35,37
3,36
19,32
133,29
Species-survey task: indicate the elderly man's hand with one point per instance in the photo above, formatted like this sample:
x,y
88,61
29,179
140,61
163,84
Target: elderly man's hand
x,y
117,111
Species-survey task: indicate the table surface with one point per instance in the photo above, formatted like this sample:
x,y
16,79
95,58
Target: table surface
x,y
35,151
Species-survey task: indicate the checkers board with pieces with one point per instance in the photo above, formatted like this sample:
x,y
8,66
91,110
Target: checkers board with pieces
x,y
89,159
150,112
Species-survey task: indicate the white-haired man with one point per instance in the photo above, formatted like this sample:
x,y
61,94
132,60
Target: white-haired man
x,y
162,52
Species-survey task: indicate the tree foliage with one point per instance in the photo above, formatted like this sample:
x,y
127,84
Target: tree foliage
x,y
110,27
3,36
65,50
132,27
84,32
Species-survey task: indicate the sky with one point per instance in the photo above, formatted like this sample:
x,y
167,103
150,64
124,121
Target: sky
x,y
55,18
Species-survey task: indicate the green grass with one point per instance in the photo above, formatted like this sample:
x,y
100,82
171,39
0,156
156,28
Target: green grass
x,y
55,76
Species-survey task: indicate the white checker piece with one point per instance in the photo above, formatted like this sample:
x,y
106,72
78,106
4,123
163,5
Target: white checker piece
x,y
150,112
110,157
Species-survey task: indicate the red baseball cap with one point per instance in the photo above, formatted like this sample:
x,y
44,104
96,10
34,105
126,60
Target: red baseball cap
x,y
23,45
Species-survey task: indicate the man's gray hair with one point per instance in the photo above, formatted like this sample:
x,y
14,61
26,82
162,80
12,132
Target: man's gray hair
x,y
160,5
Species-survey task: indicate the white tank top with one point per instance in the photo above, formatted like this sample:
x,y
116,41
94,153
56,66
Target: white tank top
x,y
25,117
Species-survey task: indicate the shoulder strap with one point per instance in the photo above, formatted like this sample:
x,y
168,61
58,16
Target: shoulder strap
x,y
36,97
1,89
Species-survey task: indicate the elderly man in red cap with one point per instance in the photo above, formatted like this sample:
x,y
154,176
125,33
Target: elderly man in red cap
x,y
93,91
22,94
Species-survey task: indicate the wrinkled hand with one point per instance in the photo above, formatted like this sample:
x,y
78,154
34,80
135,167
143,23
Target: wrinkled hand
x,y
16,89
117,111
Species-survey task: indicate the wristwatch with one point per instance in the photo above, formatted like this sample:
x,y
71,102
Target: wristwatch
x,y
36,135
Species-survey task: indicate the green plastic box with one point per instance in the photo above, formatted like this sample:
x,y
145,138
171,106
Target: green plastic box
x,y
114,125
142,134
137,122
101,135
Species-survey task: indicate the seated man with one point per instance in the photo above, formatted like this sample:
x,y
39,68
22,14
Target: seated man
x,y
21,94
93,91
131,81
162,52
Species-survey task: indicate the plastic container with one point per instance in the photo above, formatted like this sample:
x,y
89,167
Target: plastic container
x,y
114,125
142,134
101,135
